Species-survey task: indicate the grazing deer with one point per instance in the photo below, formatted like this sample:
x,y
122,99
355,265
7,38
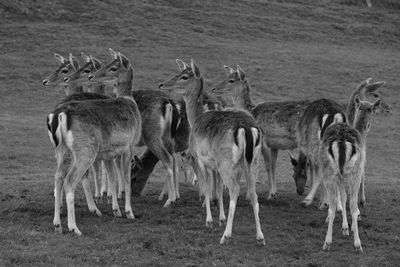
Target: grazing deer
x,y
159,122
228,141
342,157
97,130
277,120
318,115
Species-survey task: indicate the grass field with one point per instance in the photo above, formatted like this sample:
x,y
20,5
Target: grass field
x,y
300,49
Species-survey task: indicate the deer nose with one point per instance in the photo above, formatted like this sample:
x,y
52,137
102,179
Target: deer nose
x,y
45,82
66,79
161,86
214,90
90,77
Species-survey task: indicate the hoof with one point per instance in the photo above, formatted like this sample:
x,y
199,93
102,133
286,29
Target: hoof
x,y
58,228
272,196
358,249
306,202
222,222
327,246
96,212
345,231
130,215
209,225
117,213
168,203
261,242
323,206
76,231
224,240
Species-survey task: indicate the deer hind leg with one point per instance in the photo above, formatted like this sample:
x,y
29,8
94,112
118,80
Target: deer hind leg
x,y
343,201
274,157
88,193
96,175
231,179
103,188
80,165
331,190
362,191
126,175
219,187
267,159
63,164
355,212
110,167
316,183
118,165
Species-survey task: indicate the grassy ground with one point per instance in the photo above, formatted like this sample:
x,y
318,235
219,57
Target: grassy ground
x,y
288,49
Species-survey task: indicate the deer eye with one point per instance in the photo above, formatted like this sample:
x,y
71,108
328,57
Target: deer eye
x,y
86,71
376,95
64,71
184,78
113,69
231,81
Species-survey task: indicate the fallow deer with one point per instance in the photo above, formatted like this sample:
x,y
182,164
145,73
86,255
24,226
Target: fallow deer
x,y
96,130
228,141
342,157
158,120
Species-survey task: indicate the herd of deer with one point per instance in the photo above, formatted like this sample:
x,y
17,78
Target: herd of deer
x,y
102,121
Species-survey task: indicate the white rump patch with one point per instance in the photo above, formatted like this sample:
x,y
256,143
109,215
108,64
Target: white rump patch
x,y
335,159
324,118
349,148
50,120
254,132
338,118
69,140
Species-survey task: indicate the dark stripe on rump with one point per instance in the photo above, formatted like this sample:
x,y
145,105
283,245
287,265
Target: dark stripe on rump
x,y
323,127
342,155
249,144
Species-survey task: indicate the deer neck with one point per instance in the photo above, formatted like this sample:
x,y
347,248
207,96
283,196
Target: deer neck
x,y
124,84
242,97
71,89
351,106
194,101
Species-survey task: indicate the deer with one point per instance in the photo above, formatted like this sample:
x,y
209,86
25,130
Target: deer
x,y
103,129
319,115
159,116
76,92
228,141
210,102
342,157
279,121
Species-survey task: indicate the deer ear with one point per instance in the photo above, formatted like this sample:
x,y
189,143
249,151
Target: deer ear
x,y
292,159
124,60
357,101
85,57
113,54
74,61
229,69
372,87
240,73
195,69
181,65
96,63
60,58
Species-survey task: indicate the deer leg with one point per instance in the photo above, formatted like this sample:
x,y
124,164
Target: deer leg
x,y
274,156
103,188
234,189
112,184
80,165
63,164
316,182
126,164
355,212
220,196
343,200
331,189
88,193
362,191
96,171
118,165
267,159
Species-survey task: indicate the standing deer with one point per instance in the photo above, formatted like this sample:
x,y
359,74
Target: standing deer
x,y
228,141
342,157
277,120
95,130
159,121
